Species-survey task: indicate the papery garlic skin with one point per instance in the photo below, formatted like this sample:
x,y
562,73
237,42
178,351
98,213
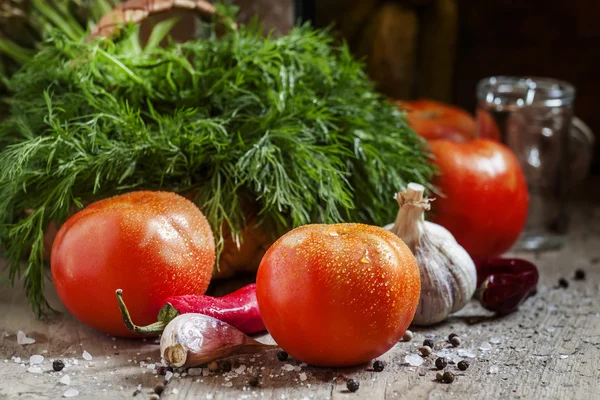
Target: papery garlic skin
x,y
193,339
448,274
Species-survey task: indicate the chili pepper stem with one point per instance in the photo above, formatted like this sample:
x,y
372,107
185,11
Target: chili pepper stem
x,y
165,315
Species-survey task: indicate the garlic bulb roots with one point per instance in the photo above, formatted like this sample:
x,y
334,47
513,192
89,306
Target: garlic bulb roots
x,y
448,274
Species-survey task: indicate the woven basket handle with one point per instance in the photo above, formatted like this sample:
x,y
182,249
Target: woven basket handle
x,y
135,11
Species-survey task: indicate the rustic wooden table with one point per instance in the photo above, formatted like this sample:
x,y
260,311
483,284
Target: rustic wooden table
x,y
549,349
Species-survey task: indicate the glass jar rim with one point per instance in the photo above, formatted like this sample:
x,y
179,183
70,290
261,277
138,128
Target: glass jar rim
x,y
554,92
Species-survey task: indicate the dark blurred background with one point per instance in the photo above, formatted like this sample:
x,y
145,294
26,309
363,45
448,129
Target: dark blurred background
x,y
440,49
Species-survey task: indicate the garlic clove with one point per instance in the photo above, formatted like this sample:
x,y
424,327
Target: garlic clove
x,y
448,274
193,339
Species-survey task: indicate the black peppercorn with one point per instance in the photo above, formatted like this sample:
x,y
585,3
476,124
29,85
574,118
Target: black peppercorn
x,y
441,362
579,275
450,336
563,283
352,385
463,365
448,377
253,381
161,370
282,355
428,343
378,366
455,341
158,389
58,365
226,365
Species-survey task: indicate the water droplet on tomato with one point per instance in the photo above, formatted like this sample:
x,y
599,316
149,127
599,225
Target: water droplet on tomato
x,y
365,258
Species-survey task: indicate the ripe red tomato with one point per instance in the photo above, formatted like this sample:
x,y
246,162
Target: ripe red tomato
x,y
150,244
338,295
484,198
487,127
435,120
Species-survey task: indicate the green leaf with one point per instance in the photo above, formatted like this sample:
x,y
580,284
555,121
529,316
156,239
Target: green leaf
x,y
74,31
159,32
14,51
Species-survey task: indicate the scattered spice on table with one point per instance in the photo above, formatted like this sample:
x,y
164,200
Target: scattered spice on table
x,y
213,366
563,283
282,355
441,362
448,377
579,275
463,365
378,366
408,336
158,389
425,350
455,341
428,343
352,385
58,365
439,376
226,365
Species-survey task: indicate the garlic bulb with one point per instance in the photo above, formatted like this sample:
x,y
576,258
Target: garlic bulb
x,y
448,274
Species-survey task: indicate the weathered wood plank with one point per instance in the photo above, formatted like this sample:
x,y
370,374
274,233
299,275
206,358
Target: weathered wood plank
x,y
549,349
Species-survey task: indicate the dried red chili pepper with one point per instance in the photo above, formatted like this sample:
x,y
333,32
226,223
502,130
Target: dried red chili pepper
x,y
504,283
239,309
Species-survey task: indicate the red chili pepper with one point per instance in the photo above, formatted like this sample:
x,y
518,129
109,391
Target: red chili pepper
x,y
239,309
504,283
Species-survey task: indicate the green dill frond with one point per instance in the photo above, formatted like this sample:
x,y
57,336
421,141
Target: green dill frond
x,y
291,125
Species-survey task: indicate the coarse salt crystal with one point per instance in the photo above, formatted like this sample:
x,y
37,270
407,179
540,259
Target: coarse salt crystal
x,y
168,375
17,360
485,346
297,368
228,384
563,356
174,391
87,356
195,371
414,359
303,376
496,340
36,359
494,369
75,362
205,372
34,370
151,366
23,339
240,369
209,396
288,367
445,353
71,393
65,380
304,365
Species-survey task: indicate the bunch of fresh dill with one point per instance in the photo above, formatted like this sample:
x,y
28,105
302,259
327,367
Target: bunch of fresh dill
x,y
290,124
